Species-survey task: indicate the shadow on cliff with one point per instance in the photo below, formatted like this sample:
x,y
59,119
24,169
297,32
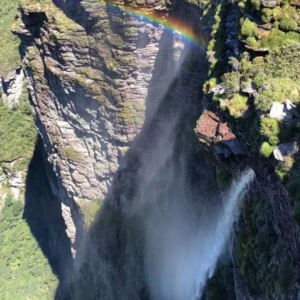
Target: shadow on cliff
x,y
42,212
110,265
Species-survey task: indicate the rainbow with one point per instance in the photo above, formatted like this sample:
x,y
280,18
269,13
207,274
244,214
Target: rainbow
x,y
186,31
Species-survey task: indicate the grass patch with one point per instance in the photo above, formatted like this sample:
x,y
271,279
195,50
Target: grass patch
x,y
9,52
72,154
89,209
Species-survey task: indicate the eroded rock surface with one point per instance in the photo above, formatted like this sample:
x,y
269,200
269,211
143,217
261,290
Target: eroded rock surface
x,y
214,132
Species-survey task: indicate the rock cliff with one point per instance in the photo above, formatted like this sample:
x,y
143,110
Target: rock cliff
x,y
104,83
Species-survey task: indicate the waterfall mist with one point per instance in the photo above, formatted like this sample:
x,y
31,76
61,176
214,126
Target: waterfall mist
x,y
184,238
183,244
164,224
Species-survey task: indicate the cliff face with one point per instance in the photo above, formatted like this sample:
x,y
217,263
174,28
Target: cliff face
x,y
88,81
252,53
91,69
105,85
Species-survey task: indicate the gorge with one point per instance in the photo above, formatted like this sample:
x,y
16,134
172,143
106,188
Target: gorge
x,y
149,149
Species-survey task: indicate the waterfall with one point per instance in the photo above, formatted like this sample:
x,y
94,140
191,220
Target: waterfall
x,y
163,224
182,249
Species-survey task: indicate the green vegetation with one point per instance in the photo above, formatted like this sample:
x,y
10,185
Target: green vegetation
x,y
257,245
72,154
17,131
276,89
277,39
266,149
288,24
9,52
267,15
231,82
89,209
269,129
216,48
237,105
24,271
249,29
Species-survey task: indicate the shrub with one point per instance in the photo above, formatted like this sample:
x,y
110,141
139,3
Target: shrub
x,y
287,164
252,42
231,81
256,4
249,28
267,15
288,24
277,39
237,105
266,149
276,89
269,128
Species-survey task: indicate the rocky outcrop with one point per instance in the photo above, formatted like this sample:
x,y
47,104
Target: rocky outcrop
x,y
268,3
88,91
12,87
284,150
88,68
218,135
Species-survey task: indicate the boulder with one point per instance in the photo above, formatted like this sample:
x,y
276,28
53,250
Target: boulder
x,y
219,90
268,3
279,111
207,126
284,111
284,150
218,134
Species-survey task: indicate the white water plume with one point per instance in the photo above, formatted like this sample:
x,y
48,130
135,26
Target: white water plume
x,y
183,245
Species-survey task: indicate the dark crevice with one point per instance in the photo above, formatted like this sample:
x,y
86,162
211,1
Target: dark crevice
x,y
43,214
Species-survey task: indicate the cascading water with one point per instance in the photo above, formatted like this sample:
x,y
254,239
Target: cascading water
x,y
183,240
160,231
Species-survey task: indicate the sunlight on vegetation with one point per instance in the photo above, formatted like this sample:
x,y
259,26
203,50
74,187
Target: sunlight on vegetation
x,y
24,270
9,52
17,131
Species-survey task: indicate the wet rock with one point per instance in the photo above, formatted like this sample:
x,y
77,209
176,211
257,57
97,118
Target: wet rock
x,y
284,150
213,132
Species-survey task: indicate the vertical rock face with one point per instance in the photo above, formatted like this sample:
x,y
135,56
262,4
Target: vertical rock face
x,y
88,86
88,66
